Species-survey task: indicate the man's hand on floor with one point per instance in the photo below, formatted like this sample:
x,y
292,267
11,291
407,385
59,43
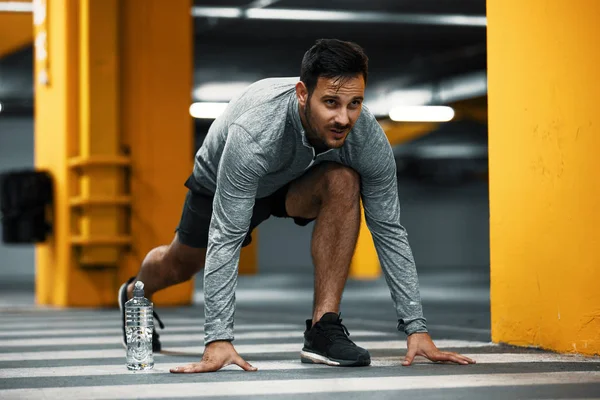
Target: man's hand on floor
x,y
420,344
216,356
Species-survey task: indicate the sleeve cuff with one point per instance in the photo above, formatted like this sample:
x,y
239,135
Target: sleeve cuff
x,y
416,325
214,331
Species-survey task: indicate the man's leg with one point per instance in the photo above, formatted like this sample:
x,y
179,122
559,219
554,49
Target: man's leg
x,y
168,265
330,193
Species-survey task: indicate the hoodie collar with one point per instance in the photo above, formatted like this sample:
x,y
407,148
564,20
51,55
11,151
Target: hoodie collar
x,y
294,117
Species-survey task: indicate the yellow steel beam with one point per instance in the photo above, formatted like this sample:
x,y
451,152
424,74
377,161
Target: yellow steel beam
x,y
16,31
403,132
55,116
475,109
59,280
156,77
76,126
104,113
99,134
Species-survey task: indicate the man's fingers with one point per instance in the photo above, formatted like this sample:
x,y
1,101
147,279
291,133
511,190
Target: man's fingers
x,y
196,368
408,359
469,360
454,357
462,359
244,365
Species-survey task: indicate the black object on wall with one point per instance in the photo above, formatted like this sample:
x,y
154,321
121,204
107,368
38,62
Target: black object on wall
x,y
26,197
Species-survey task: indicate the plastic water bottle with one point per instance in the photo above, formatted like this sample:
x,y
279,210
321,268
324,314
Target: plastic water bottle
x,y
139,326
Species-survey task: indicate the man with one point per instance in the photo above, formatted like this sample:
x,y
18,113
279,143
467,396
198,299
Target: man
x,y
306,150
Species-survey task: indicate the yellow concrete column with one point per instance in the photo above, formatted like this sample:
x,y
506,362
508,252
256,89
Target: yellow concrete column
x,y
101,197
113,82
55,129
544,137
156,79
76,139
365,262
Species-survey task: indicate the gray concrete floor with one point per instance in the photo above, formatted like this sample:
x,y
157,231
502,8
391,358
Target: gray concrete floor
x,y
48,353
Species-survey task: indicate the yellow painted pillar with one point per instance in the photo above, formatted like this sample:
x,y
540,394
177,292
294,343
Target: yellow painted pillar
x,y
365,262
544,137
76,139
55,130
156,79
113,83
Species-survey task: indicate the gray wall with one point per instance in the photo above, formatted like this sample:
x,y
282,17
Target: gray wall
x,y
16,151
447,225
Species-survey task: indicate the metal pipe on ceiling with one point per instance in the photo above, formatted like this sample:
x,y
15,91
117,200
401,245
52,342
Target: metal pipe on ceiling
x,y
339,16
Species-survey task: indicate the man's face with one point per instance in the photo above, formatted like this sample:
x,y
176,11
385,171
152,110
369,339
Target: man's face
x,y
330,112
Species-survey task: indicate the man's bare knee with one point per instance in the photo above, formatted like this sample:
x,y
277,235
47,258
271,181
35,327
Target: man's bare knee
x,y
341,184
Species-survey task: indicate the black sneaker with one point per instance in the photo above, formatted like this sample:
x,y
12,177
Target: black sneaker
x,y
156,346
328,343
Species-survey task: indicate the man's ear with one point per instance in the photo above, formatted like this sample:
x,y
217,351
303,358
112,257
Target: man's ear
x,y
301,93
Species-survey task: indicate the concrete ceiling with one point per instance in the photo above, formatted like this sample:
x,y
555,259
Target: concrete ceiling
x,y
434,45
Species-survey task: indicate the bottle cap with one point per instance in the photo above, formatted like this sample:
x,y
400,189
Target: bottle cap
x,y
138,289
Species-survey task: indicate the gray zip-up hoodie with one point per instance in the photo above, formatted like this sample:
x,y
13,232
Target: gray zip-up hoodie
x,y
258,145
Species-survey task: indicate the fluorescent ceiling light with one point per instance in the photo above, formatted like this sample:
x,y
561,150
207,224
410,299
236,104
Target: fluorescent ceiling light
x,y
219,91
422,113
217,12
207,110
0,107
15,6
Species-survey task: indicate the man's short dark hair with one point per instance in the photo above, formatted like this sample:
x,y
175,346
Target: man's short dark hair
x,y
333,58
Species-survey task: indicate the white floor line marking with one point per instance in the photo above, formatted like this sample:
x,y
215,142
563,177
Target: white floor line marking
x,y
286,295
163,368
167,338
7,329
116,330
74,322
280,387
242,349
91,315
391,324
101,319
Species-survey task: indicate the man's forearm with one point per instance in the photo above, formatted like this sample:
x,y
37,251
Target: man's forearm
x,y
401,276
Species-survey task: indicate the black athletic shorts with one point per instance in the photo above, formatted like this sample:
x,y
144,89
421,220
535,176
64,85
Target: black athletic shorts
x,y
197,212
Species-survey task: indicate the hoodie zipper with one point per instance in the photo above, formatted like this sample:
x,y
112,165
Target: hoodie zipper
x,y
313,159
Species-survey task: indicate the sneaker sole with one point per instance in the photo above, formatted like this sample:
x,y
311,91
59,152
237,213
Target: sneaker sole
x,y
312,358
